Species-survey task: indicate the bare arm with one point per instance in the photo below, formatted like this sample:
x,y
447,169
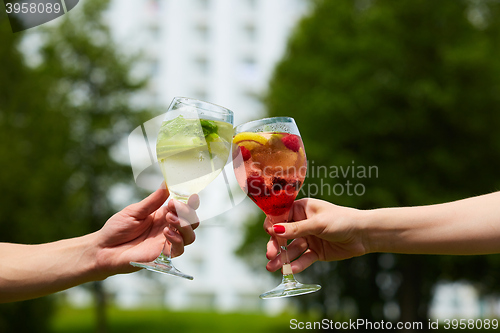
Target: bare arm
x,y
137,233
326,232
29,271
464,227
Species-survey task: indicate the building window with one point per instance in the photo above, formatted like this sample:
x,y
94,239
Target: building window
x,y
201,65
248,69
253,100
250,32
154,29
251,4
202,32
154,67
203,4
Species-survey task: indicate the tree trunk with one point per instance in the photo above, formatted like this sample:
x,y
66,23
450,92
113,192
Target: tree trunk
x,y
410,297
100,307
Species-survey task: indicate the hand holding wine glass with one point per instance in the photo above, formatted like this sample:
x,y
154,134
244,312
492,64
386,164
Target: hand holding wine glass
x,y
326,232
192,149
135,233
321,231
270,166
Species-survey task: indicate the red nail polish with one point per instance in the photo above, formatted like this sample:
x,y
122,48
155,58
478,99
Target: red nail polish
x,y
279,229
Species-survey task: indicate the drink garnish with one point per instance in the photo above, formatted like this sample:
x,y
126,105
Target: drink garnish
x,y
248,136
215,143
245,153
256,185
279,183
209,127
291,142
201,132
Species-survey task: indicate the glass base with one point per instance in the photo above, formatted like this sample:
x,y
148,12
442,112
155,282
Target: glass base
x,y
290,287
162,264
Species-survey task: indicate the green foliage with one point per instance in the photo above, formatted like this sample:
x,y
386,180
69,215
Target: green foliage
x,y
412,88
58,123
33,178
92,87
26,317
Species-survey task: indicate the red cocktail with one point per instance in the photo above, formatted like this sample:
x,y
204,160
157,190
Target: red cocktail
x,y
270,165
271,170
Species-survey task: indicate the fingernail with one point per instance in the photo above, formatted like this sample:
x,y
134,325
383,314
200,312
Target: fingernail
x,y
279,229
194,201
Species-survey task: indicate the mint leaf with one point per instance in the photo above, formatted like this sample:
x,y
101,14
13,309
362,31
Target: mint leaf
x,y
208,127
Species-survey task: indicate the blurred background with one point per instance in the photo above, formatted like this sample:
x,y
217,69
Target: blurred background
x,y
408,91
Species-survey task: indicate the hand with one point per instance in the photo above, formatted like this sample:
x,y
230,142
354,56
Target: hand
x,y
322,231
138,232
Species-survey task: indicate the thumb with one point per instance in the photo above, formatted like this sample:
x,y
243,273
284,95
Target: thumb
x,y
150,204
293,230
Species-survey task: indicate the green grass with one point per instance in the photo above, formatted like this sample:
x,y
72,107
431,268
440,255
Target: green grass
x,y
69,320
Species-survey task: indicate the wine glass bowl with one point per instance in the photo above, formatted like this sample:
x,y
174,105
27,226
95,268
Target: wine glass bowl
x,y
270,165
192,148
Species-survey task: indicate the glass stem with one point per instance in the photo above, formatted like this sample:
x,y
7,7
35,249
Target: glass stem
x,y
165,256
283,243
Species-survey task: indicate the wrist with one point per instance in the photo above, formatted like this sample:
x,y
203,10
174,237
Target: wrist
x,y
91,252
373,231
359,225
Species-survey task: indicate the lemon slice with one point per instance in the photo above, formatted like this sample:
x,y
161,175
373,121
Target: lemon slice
x,y
250,145
249,136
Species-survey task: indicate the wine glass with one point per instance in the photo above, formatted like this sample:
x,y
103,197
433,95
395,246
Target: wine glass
x,y
270,165
192,149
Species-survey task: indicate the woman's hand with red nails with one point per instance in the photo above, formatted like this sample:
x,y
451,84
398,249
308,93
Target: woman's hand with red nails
x,y
320,231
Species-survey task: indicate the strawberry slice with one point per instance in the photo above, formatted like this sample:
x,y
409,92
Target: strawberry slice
x,y
291,142
245,153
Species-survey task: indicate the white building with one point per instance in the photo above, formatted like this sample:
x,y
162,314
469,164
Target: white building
x,y
224,52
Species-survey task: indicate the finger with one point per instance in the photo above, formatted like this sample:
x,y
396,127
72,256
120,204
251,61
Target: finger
x,y
298,265
295,249
150,204
273,248
297,213
274,265
268,226
306,259
183,211
176,242
299,229
194,201
183,228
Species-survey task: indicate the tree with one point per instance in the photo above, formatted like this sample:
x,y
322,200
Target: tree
x,y
33,179
411,88
93,87
60,120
